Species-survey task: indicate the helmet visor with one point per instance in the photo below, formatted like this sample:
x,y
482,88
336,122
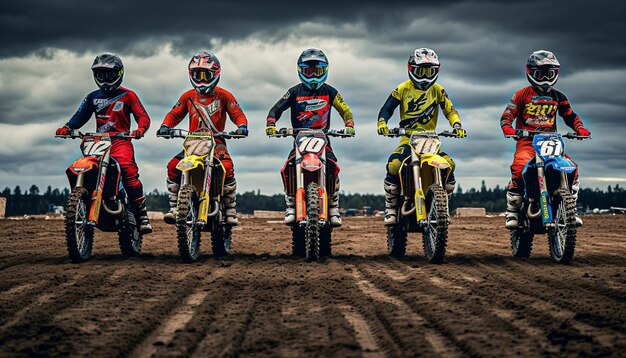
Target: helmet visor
x,y
544,73
106,74
203,75
424,71
316,70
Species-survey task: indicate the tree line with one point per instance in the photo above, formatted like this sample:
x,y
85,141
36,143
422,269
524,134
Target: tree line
x,y
32,201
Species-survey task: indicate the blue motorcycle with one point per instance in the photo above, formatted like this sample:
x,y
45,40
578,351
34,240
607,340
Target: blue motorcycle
x,y
548,207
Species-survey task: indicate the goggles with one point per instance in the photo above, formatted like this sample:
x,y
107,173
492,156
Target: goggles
x,y
424,71
203,75
106,74
544,74
313,71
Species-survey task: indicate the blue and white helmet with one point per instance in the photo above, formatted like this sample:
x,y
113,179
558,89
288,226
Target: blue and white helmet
x,y
313,68
423,67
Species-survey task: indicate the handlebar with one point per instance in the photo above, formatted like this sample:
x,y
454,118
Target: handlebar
x,y
401,132
524,133
289,132
75,133
182,133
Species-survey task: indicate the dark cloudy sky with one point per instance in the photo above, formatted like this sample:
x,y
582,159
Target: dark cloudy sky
x,y
47,49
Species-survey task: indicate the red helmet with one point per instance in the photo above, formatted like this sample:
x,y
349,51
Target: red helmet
x,y
542,70
204,71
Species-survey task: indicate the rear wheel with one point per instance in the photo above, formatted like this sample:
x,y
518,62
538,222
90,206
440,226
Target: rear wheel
x,y
187,230
297,241
521,243
435,234
562,238
396,240
326,241
129,236
221,239
311,229
78,233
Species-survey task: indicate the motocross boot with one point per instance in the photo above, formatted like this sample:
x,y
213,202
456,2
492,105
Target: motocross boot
x,y
230,197
141,215
290,211
172,192
575,188
392,194
333,207
513,205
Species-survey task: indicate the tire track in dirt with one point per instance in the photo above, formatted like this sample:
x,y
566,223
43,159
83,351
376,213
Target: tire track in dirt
x,y
439,343
177,320
363,332
458,319
513,303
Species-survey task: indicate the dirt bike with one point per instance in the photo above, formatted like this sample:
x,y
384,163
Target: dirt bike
x,y
548,206
98,198
200,207
306,178
423,199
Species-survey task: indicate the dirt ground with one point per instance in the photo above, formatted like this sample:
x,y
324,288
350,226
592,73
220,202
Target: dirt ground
x,y
262,302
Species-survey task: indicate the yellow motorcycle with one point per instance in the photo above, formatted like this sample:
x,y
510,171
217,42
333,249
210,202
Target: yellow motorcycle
x,y
200,206
423,199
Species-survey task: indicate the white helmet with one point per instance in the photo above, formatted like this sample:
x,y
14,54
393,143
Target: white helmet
x,y
423,67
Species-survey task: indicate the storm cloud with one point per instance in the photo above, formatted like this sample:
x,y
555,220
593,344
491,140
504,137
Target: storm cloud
x,y
47,48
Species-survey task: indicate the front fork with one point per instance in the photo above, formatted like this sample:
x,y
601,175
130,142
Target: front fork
x,y
301,190
545,210
96,196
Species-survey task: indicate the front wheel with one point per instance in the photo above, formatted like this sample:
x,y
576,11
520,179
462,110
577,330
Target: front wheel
x,y
562,238
521,243
128,235
435,232
187,230
221,238
311,229
78,233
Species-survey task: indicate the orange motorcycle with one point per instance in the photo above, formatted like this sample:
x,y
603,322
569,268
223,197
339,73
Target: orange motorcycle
x,y
98,199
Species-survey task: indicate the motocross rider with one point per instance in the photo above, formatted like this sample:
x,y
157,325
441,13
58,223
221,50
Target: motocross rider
x,y
113,105
535,108
207,106
310,103
419,99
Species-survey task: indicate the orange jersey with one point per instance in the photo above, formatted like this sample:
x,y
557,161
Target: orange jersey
x,y
206,110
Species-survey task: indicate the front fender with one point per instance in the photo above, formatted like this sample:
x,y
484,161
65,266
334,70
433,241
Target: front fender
x,y
561,164
190,162
83,165
434,160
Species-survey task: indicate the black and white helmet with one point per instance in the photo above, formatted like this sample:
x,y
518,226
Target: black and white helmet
x,y
423,67
108,71
542,70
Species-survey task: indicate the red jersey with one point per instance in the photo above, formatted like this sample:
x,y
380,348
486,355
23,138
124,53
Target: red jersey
x,y
533,111
113,110
206,110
